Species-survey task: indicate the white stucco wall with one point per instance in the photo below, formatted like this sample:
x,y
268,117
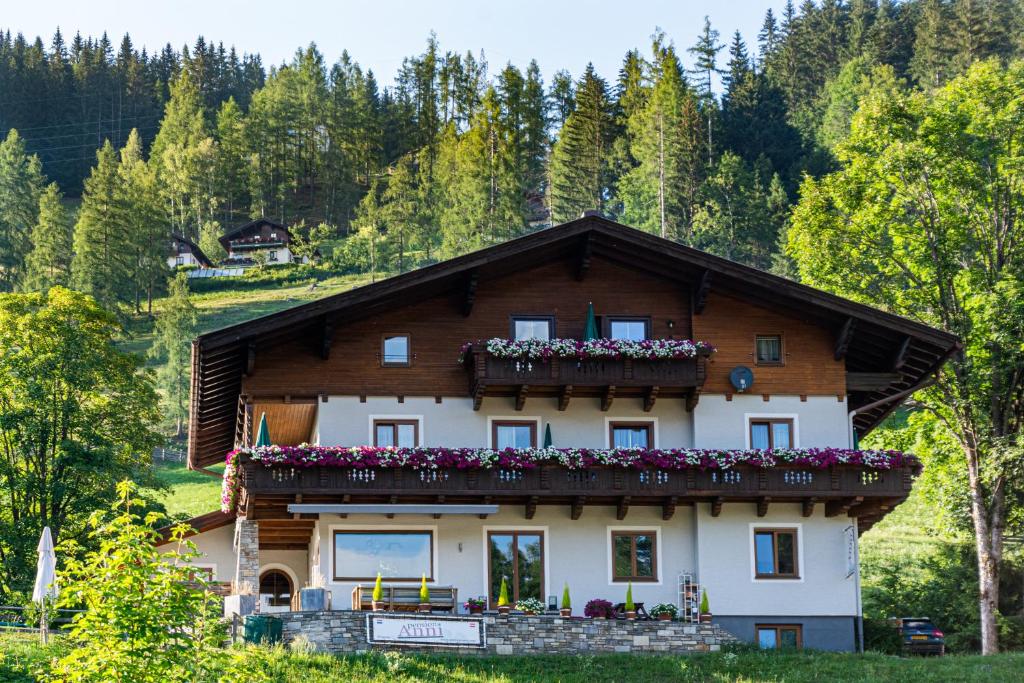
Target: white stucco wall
x,y
726,569
218,553
343,420
575,551
819,421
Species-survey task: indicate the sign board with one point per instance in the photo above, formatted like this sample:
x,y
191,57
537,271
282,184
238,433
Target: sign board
x,y
437,631
850,535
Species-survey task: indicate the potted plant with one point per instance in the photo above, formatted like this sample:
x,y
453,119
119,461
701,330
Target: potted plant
x,y
664,611
705,607
503,605
598,609
424,595
566,610
530,606
475,605
378,595
630,605
315,597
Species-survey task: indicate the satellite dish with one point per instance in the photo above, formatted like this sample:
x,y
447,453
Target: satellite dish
x,y
741,377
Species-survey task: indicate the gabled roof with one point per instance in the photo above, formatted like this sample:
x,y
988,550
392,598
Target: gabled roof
x,y
250,229
884,342
200,524
194,248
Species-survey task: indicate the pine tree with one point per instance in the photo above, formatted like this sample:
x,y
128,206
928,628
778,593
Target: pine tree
x,y
232,154
580,173
767,37
21,183
705,53
175,328
49,262
141,217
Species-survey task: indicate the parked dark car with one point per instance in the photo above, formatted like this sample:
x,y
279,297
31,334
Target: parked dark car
x,y
920,636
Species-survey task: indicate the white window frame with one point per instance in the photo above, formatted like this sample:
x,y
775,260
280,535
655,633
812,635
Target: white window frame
x,y
608,428
748,417
658,550
212,566
782,581
329,578
407,418
491,419
545,551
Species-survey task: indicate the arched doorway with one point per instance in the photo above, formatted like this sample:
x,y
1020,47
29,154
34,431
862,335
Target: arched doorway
x,y
276,590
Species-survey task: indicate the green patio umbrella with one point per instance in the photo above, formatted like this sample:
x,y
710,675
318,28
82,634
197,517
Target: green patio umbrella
x,y
263,434
590,331
547,436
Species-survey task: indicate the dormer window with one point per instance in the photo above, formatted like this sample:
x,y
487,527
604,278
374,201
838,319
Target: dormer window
x,y
395,351
533,327
768,349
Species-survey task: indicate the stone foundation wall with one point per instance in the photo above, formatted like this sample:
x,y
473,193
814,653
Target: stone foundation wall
x,y
345,632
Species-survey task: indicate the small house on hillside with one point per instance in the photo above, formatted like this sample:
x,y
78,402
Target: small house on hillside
x,y
185,252
258,236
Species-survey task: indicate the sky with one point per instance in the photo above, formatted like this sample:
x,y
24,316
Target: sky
x,y
379,33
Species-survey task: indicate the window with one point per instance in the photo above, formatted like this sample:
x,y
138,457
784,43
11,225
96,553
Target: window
x,y
180,261
775,554
396,555
272,256
533,327
779,636
634,556
771,433
400,433
278,587
631,434
768,349
632,329
395,350
518,556
513,434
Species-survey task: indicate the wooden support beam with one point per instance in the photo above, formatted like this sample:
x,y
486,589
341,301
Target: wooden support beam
x,y
808,506
564,396
716,506
586,251
834,508
844,338
326,338
700,295
250,358
531,507
693,398
650,396
478,395
900,359
762,505
440,501
622,509
577,507
871,381
470,294
668,508
487,501
298,499
524,389
607,397
393,501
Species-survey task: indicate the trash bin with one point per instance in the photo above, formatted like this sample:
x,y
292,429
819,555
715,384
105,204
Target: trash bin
x,y
260,628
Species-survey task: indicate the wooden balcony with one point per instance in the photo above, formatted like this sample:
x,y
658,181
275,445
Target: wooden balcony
x,y
843,489
606,378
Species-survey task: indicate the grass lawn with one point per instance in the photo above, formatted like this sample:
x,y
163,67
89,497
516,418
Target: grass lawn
x,y
20,656
191,493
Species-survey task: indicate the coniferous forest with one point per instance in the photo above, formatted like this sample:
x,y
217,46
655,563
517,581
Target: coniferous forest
x,y
701,138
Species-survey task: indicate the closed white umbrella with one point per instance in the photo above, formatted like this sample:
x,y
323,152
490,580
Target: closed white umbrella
x,y
46,577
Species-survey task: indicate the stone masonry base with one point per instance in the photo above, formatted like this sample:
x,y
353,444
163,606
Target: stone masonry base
x,y
344,632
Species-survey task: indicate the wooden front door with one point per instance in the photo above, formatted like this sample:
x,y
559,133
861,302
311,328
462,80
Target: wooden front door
x,y
519,557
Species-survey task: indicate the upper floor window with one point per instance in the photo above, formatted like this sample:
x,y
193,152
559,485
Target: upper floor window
x,y
631,329
533,327
395,350
514,434
771,433
775,554
272,256
631,435
180,260
396,433
768,349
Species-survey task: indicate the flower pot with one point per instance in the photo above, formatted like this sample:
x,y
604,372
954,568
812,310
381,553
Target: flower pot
x,y
664,616
476,610
528,613
378,606
631,615
503,609
705,618
424,607
565,612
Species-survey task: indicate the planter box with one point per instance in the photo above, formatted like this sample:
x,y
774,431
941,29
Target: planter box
x,y
242,605
314,600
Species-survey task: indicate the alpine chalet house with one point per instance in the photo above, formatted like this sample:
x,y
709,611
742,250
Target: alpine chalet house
x,y
185,252
588,405
257,236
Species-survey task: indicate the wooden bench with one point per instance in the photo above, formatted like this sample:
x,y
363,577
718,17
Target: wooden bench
x,y
619,611
406,598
